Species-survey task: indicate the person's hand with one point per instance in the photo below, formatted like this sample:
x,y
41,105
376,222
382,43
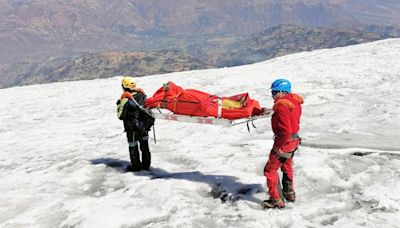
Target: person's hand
x,y
266,110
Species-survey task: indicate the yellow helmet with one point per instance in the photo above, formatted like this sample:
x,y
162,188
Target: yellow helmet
x,y
129,83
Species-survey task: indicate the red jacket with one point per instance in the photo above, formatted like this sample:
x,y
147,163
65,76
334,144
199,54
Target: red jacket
x,y
285,121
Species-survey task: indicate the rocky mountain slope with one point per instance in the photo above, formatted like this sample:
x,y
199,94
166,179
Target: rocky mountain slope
x,y
36,28
39,35
287,39
103,65
228,51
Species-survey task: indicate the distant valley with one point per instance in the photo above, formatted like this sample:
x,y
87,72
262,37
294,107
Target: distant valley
x,y
44,40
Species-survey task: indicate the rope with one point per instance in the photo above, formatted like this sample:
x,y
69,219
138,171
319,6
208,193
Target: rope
x,y
154,134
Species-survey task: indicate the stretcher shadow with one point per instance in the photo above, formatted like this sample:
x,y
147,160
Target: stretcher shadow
x,y
226,188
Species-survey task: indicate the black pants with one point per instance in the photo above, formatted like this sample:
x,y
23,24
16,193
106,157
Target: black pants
x,y
136,140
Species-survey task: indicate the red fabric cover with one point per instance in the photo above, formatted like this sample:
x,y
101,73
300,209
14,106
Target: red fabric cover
x,y
197,103
285,122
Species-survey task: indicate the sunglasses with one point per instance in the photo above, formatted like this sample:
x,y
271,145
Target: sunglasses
x,y
275,92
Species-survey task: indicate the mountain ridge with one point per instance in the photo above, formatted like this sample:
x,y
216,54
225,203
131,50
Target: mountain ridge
x,y
273,42
32,28
35,33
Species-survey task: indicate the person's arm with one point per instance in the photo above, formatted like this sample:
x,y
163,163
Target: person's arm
x,y
284,129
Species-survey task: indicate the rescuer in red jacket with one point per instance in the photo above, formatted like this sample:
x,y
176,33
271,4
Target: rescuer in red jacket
x,y
285,125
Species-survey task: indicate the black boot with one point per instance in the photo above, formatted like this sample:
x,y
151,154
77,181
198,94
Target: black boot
x,y
134,155
272,203
146,155
288,192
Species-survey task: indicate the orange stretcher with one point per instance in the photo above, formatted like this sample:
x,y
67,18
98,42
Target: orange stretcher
x,y
189,105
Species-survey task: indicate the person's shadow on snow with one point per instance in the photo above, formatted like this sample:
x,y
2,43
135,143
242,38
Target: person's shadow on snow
x,y
227,188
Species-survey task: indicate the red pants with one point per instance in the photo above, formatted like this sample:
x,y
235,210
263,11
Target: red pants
x,y
271,173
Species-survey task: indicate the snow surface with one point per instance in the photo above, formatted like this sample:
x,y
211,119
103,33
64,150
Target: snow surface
x,y
63,151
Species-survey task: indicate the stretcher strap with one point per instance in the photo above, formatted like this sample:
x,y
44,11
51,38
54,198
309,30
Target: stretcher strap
x,y
175,99
219,107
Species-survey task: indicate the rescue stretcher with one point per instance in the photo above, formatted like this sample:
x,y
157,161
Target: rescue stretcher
x,y
171,102
168,115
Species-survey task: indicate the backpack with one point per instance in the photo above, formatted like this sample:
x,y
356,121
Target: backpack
x,y
134,114
146,120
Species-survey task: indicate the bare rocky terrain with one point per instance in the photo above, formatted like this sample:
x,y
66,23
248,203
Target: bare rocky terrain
x,y
34,33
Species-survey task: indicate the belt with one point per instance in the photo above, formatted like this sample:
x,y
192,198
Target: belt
x,y
293,136
289,154
284,155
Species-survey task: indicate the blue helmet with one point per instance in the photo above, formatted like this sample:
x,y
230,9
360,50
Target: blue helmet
x,y
281,85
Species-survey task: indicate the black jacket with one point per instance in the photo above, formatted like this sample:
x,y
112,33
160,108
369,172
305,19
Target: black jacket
x,y
132,115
